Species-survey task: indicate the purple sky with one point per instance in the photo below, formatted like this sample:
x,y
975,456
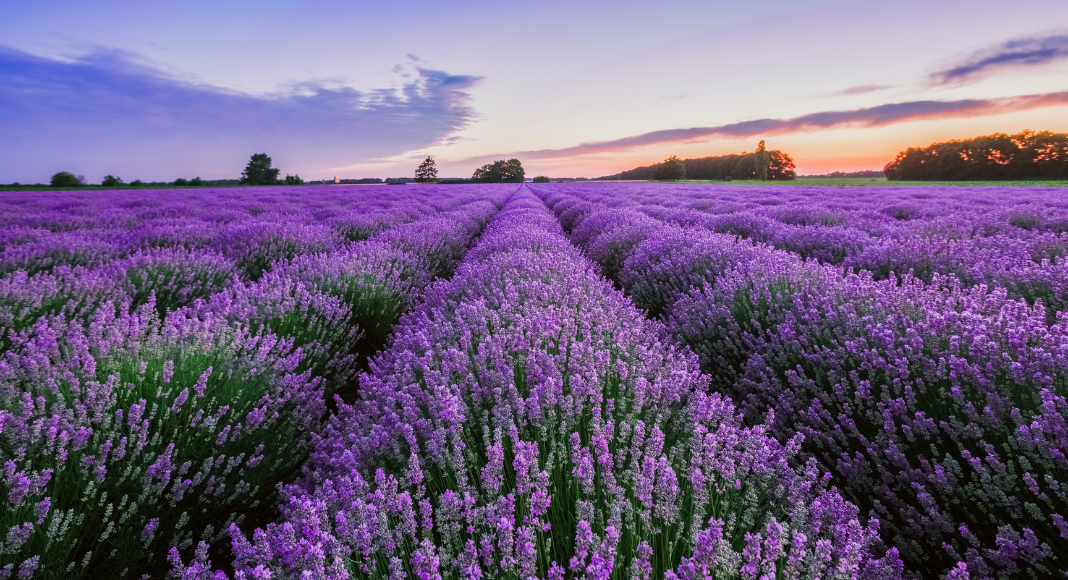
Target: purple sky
x,y
156,91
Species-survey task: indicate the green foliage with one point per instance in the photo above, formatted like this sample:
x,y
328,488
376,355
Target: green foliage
x,y
136,183
181,182
179,471
65,179
1026,155
196,181
259,171
111,181
427,172
293,180
722,167
541,179
761,162
500,171
672,169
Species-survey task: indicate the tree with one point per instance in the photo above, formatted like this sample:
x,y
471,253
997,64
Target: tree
x,y
722,167
294,180
181,182
541,179
111,181
1026,155
672,169
427,172
196,181
65,179
510,171
259,171
781,166
136,183
761,162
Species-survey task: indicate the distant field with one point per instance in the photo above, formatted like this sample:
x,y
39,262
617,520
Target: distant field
x,y
882,181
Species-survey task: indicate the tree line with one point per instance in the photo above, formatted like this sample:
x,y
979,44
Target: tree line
x,y
780,167
1026,155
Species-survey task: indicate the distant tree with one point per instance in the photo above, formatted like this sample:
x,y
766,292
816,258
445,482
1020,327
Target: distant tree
x,y
136,183
196,181
761,162
721,167
541,179
672,169
510,171
111,181
781,166
1026,155
293,180
259,171
65,179
181,182
427,172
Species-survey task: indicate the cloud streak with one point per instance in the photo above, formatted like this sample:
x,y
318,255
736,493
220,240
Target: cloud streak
x,y
107,112
870,117
1012,54
863,89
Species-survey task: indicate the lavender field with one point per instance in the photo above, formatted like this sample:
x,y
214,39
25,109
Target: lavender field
x,y
626,381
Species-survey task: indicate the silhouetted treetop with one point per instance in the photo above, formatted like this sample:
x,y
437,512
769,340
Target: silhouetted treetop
x,y
722,167
1026,155
259,171
510,171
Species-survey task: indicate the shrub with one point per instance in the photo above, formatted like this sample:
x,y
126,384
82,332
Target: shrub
x,y
126,438
886,383
255,246
65,179
541,179
527,421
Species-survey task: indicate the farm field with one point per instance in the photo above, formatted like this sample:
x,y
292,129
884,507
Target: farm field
x,y
582,380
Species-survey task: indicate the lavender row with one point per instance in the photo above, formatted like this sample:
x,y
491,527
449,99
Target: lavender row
x,y
1011,238
177,275
254,226
939,409
124,436
527,421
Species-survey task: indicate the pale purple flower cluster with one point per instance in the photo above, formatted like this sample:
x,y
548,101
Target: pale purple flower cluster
x,y
937,404
528,421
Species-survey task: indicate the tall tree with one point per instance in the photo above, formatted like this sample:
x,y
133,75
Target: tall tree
x,y
672,169
259,171
427,172
761,162
500,171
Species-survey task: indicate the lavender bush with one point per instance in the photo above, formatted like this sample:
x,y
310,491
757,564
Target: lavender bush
x,y
126,437
938,404
527,421
824,382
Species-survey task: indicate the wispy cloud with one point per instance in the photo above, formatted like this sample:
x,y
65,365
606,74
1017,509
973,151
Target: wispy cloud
x,y
1013,54
109,112
869,117
863,89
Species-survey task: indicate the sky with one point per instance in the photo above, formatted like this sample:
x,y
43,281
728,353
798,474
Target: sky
x,y
156,90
